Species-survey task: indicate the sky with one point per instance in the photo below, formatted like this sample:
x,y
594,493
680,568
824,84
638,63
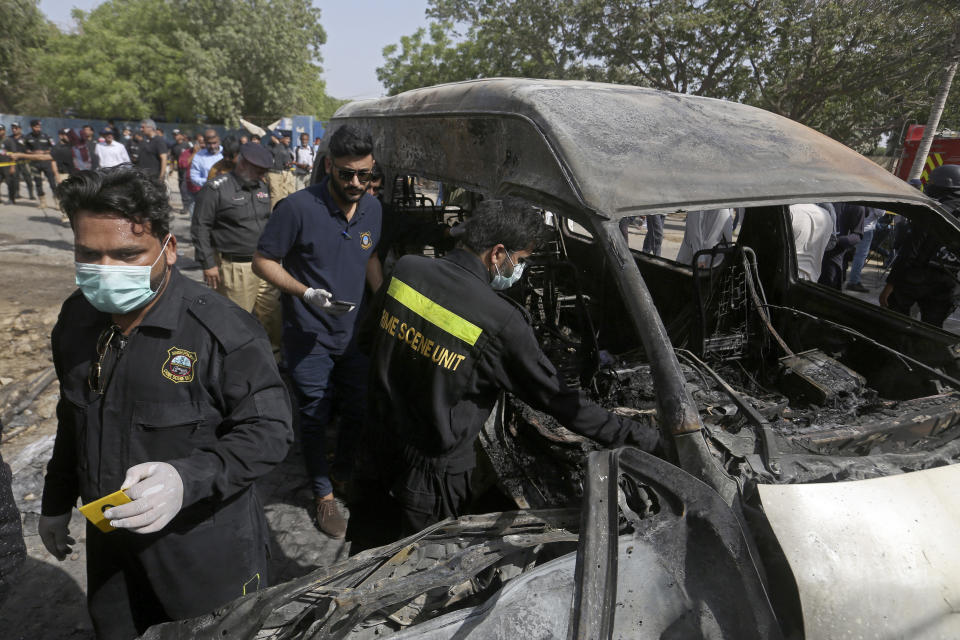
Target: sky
x,y
357,32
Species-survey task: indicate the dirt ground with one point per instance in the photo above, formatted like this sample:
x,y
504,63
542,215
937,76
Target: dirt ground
x,y
36,275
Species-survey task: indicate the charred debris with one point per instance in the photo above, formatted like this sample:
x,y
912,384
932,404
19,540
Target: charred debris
x,y
793,405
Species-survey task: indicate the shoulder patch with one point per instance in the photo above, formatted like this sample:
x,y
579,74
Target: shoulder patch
x,y
217,182
232,330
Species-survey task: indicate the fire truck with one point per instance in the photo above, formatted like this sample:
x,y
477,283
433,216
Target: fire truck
x,y
944,150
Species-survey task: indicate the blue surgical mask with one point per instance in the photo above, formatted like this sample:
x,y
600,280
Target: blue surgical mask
x,y
501,282
117,289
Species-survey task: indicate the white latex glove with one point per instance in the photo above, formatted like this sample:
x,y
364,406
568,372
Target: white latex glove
x,y
320,298
323,300
157,494
55,534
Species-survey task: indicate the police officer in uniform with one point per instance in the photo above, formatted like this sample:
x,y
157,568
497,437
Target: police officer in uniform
x,y
925,272
39,142
446,344
169,392
280,178
230,214
8,167
23,166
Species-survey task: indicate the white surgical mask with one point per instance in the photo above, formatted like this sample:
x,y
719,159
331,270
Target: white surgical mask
x,y
114,288
500,282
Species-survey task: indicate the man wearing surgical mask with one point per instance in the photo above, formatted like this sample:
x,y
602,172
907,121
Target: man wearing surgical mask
x,y
168,392
446,344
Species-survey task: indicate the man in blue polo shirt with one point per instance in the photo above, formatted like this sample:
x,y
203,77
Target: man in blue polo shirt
x,y
318,248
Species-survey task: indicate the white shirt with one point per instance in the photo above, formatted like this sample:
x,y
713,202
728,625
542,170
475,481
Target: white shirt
x,y
705,230
110,155
812,226
304,155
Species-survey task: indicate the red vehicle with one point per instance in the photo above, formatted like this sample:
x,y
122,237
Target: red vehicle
x,y
944,150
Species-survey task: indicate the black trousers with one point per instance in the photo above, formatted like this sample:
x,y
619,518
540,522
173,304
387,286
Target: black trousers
x,y
39,170
394,499
200,561
932,293
23,173
9,176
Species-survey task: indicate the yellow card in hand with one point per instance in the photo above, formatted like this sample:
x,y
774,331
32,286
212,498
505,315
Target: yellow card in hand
x,y
94,510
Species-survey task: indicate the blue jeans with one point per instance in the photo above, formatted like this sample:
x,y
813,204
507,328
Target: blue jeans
x,y
654,239
186,197
320,379
860,257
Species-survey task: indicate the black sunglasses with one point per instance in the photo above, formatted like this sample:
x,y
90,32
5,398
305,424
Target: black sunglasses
x,y
363,175
95,376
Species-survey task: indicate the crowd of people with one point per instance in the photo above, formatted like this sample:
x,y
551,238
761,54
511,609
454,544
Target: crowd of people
x,y
175,392
833,241
34,157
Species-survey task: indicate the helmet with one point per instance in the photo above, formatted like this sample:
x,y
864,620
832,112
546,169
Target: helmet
x,y
944,182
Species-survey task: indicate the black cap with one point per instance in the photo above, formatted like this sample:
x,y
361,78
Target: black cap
x,y
15,124
107,130
257,155
65,131
34,123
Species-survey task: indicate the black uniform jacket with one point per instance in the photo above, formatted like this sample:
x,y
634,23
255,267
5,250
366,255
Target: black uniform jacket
x,y
38,142
195,386
923,258
848,231
229,217
445,345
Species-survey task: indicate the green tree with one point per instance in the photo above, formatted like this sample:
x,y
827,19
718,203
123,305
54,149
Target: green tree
x,y
121,62
171,59
254,57
853,69
25,31
517,38
686,46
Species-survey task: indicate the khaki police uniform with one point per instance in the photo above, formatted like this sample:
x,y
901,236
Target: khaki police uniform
x,y
280,178
228,218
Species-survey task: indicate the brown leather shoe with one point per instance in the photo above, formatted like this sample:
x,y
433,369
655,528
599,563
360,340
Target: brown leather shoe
x,y
329,518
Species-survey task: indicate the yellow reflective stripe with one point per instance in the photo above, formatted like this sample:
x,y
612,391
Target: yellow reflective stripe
x,y
930,163
939,159
433,313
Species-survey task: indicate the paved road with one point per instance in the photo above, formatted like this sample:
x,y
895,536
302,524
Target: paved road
x,y
32,232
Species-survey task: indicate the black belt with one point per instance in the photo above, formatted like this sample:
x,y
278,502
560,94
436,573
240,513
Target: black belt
x,y
231,258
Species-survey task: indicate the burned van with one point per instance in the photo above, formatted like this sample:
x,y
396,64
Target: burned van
x,y
810,488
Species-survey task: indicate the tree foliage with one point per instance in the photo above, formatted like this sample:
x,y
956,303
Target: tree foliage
x,y
119,63
853,69
183,59
256,57
25,31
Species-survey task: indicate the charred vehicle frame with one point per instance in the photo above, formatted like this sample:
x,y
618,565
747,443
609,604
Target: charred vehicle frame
x,y
764,383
